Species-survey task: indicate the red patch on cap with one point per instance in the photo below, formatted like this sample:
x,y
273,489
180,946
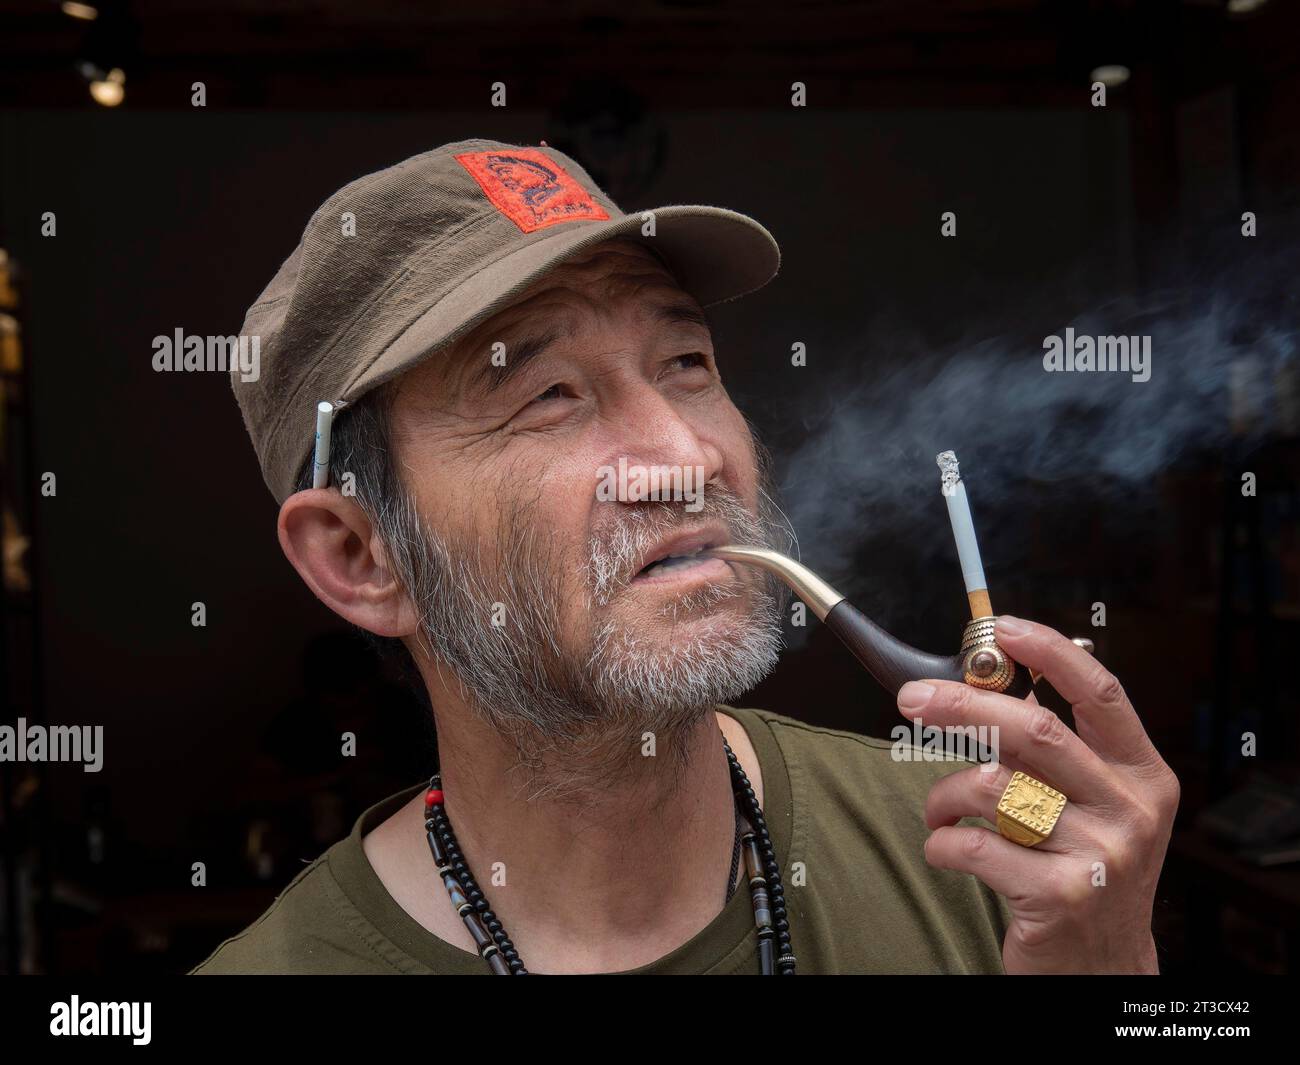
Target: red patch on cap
x,y
530,189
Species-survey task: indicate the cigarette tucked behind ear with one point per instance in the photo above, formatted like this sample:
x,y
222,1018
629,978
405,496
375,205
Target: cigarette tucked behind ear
x,y
321,464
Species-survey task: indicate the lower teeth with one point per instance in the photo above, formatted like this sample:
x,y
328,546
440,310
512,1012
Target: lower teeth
x,y
672,563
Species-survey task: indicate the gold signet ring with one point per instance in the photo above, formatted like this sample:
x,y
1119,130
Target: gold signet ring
x,y
1029,810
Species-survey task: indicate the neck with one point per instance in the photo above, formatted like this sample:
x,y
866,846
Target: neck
x,y
613,875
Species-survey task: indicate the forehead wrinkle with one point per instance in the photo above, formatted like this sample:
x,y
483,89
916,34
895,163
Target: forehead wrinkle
x,y
592,283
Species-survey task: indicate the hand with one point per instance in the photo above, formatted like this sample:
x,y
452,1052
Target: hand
x,y
1070,914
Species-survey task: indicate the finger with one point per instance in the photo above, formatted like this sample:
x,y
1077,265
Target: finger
x,y
1033,734
1008,868
1102,710
975,792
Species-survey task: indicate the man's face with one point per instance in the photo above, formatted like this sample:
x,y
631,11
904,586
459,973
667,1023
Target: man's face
x,y
605,360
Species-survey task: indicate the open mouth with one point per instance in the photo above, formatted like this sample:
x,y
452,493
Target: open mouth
x,y
672,562
680,554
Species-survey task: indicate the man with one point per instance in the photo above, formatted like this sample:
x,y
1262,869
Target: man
x,y
503,336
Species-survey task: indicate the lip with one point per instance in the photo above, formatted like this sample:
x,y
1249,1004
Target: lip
x,y
683,544
709,570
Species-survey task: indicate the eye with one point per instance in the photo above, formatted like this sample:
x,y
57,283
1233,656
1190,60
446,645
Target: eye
x,y
690,360
551,393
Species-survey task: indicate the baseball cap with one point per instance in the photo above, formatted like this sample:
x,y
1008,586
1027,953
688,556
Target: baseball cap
x,y
401,263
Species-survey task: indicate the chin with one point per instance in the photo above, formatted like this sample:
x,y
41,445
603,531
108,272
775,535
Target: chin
x,y
707,655
710,610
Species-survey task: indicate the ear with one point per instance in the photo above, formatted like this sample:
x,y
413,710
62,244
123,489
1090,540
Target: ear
x,y
330,542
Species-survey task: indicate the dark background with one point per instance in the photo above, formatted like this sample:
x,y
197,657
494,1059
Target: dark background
x,y
221,741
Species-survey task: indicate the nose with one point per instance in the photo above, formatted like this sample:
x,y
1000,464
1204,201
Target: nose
x,y
653,432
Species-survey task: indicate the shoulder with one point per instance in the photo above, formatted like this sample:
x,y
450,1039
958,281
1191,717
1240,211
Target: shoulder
x,y
300,932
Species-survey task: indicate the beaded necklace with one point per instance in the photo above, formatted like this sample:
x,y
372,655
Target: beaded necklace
x,y
775,954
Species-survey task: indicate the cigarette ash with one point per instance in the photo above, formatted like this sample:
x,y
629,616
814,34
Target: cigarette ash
x,y
949,475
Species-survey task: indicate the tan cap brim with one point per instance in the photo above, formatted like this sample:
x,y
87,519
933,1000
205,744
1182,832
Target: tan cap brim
x,y
718,255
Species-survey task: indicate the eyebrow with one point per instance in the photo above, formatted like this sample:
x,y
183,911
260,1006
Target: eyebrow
x,y
522,352
529,346
679,312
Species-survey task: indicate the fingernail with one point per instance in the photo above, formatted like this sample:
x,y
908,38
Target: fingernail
x,y
1011,626
914,694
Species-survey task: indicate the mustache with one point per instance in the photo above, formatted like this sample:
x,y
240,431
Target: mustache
x,y
615,550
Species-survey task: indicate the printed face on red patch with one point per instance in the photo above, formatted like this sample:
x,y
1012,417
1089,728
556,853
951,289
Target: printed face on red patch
x,y
530,189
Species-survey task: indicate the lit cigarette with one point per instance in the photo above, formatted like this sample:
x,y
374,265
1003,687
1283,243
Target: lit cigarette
x,y
963,530
320,477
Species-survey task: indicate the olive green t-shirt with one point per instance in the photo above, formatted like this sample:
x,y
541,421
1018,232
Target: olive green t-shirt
x,y
846,819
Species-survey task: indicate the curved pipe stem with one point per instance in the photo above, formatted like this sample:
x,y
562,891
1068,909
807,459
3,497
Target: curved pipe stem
x,y
892,662
820,596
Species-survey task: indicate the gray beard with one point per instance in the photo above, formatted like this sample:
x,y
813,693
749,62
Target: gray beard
x,y
579,721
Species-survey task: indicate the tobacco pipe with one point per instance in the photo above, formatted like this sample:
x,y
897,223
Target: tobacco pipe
x,y
980,662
